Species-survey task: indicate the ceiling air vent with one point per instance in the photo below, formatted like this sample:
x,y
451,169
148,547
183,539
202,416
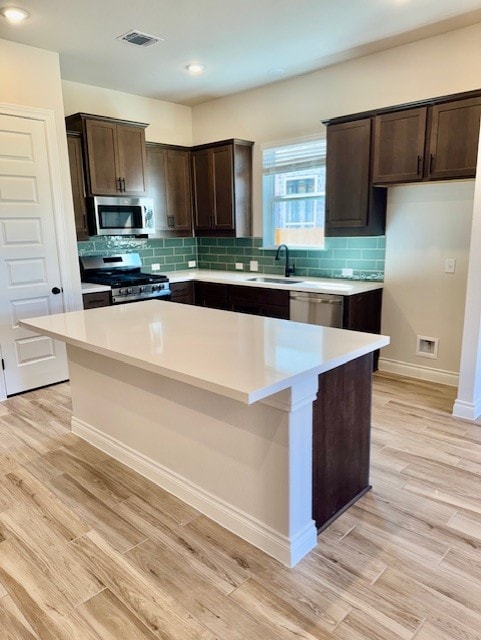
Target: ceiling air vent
x,y
138,38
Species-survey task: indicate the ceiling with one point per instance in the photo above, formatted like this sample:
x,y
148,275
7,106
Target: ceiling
x,y
244,44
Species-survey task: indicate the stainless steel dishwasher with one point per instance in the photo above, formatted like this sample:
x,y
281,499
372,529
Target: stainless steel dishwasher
x,y
316,308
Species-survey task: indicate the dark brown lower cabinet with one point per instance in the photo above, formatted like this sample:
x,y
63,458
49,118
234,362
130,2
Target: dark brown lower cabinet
x,y
341,439
93,300
362,312
272,303
182,292
211,294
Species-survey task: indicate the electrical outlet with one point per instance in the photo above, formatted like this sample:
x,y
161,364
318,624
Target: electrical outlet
x,y
239,266
254,265
155,266
347,273
449,265
191,264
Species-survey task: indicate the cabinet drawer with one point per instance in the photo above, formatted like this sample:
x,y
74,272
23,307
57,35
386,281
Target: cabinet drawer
x,y
258,294
93,300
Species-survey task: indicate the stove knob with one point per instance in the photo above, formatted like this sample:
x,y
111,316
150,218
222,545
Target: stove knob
x,y
154,287
141,289
129,290
120,292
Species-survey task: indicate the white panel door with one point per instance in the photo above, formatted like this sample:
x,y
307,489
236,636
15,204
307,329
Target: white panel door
x,y
29,265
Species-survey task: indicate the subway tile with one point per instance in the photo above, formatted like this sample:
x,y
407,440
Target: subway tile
x,y
174,242
373,254
205,242
362,243
362,265
344,254
336,243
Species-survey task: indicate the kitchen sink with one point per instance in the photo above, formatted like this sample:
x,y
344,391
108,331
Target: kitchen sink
x,y
274,280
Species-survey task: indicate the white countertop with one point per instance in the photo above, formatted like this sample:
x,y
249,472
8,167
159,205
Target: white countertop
x,y
240,356
313,285
90,287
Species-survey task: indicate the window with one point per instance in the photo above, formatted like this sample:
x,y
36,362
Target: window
x,y
293,189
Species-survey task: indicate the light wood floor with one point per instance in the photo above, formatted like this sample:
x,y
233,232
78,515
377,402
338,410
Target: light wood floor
x,y
88,549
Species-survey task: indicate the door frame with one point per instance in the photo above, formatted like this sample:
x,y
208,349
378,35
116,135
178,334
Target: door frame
x,y
62,206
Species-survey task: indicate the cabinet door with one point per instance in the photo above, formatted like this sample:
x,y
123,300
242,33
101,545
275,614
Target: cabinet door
x,y
182,292
223,188
211,294
453,143
101,146
203,189
399,146
156,174
74,145
347,174
131,159
179,200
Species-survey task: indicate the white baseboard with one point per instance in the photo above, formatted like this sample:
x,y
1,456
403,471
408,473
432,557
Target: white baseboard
x,y
409,370
467,410
288,551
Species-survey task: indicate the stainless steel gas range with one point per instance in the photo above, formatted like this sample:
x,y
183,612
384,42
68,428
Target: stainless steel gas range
x,y
123,274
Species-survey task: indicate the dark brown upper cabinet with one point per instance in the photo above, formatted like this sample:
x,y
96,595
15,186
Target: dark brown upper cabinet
x,y
74,145
353,205
222,188
399,146
453,140
169,184
434,142
115,156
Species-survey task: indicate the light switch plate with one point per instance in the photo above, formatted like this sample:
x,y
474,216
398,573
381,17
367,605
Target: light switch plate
x,y
449,265
254,265
155,266
239,266
191,263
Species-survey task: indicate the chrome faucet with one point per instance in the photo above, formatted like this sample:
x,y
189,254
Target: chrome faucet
x,y
288,269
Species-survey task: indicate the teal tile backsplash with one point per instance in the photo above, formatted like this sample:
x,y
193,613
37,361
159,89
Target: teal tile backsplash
x,y
364,255
170,253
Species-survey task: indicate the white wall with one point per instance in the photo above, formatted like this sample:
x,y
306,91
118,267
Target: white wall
x,y
436,218
169,123
426,224
30,77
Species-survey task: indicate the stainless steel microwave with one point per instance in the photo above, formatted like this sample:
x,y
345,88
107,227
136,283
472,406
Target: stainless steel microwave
x,y
115,216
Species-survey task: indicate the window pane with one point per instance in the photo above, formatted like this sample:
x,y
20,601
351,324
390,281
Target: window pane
x,y
293,194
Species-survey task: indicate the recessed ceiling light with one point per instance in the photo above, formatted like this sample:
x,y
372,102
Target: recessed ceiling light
x,y
195,68
14,14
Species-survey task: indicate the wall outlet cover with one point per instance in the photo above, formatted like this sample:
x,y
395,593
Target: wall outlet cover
x,y
191,264
239,266
427,347
155,266
254,265
347,273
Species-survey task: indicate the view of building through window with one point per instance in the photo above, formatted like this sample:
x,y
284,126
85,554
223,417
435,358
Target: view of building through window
x,y
294,194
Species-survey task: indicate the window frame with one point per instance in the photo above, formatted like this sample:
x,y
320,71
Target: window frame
x,y
268,200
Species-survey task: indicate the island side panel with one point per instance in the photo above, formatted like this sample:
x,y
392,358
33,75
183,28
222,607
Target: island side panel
x,y
341,439
242,465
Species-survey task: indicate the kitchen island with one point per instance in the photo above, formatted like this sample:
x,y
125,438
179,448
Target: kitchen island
x,y
218,408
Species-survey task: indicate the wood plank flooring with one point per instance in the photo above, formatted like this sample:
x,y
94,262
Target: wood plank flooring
x,y
91,550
